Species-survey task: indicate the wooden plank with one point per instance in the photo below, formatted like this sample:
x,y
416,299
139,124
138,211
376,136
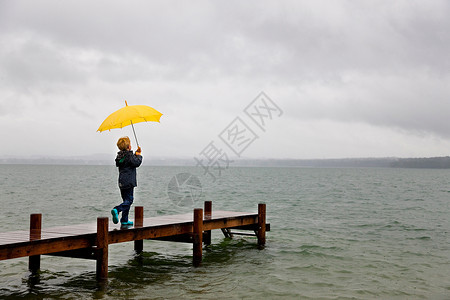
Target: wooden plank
x,y
261,232
34,261
38,247
131,234
251,227
197,236
229,222
208,209
207,216
138,223
149,232
183,218
102,248
218,221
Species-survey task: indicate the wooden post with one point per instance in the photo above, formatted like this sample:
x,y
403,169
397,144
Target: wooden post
x,y
208,215
34,262
197,231
102,248
138,222
261,225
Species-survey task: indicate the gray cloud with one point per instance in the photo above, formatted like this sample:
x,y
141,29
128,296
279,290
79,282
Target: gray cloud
x,y
384,64
297,39
417,102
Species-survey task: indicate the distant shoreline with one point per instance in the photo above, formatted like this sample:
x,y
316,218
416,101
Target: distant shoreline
x,y
388,162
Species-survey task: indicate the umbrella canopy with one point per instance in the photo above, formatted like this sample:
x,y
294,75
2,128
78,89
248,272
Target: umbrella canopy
x,y
129,115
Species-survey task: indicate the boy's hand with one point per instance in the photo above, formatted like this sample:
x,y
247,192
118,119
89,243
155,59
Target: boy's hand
x,y
138,151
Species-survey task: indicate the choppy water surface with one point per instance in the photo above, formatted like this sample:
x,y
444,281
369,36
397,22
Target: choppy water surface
x,y
336,234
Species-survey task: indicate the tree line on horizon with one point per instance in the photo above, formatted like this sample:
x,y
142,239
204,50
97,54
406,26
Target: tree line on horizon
x,y
426,162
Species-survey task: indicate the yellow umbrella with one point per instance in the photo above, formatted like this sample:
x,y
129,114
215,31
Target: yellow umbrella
x,y
130,115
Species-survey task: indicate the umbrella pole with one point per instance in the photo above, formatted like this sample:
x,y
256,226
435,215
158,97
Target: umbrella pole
x,y
135,134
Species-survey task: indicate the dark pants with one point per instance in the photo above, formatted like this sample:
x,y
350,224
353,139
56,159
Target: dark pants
x,y
127,197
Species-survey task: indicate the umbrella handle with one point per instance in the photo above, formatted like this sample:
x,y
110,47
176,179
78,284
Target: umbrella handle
x,y
135,134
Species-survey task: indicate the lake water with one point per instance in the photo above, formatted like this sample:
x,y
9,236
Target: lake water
x,y
342,233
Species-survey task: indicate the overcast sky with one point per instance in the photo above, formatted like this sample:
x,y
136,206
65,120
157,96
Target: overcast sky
x,y
350,78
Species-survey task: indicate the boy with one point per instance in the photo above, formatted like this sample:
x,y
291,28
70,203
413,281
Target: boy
x,y
127,162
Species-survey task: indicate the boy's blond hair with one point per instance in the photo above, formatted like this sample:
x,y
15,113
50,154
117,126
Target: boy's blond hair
x,y
123,143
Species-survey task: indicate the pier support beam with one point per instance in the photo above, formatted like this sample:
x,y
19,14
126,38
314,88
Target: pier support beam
x,y
197,231
208,215
34,262
102,248
261,225
138,223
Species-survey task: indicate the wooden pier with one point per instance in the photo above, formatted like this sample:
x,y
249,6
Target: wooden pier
x,y
91,241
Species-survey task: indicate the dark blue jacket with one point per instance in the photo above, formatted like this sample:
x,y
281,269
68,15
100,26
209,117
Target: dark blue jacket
x,y
127,162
